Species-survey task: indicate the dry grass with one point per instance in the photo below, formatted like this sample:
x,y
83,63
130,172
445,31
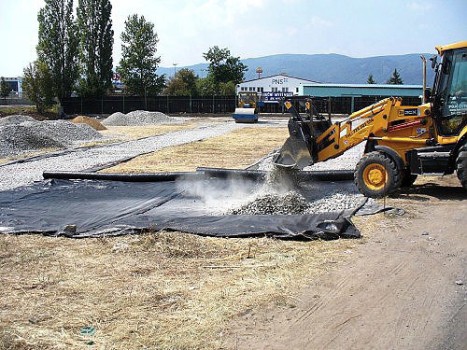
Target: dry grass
x,y
164,290
237,150
125,133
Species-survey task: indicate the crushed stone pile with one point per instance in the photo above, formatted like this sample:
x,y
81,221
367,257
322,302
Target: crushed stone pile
x,y
17,138
95,124
137,118
292,202
16,119
336,202
288,203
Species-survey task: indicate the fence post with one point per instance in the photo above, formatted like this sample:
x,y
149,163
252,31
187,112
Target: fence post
x,y
123,104
168,104
81,105
102,105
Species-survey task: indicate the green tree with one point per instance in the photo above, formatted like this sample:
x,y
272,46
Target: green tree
x,y
5,88
139,61
182,84
395,78
58,45
206,86
370,79
223,67
38,85
228,88
96,40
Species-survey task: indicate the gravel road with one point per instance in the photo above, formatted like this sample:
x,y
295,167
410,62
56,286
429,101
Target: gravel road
x,y
20,174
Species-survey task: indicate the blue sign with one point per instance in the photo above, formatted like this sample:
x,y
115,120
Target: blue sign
x,y
275,96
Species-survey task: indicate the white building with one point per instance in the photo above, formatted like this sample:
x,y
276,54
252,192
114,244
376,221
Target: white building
x,y
273,88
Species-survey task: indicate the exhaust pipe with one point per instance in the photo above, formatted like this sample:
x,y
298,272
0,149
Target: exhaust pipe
x,y
424,79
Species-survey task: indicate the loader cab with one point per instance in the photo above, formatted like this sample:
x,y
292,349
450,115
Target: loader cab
x,y
450,90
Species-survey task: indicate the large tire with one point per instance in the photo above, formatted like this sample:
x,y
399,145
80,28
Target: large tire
x,y
461,166
377,175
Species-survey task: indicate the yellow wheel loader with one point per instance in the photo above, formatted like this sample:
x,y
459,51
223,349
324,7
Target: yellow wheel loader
x,y
401,141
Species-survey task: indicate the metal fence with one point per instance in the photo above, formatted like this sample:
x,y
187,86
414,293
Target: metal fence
x,y
208,104
164,104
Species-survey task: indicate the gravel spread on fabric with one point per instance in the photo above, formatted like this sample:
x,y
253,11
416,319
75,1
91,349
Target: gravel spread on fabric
x,y
288,203
276,196
292,202
138,118
23,173
280,194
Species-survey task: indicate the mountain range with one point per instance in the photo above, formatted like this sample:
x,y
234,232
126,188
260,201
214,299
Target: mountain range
x,y
330,68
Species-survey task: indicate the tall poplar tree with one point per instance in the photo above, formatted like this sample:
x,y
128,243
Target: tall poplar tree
x,y
58,45
139,61
96,38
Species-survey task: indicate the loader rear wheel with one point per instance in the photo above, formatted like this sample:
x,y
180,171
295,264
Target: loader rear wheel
x,y
376,175
461,166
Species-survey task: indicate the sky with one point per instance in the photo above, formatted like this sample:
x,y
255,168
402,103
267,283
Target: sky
x,y
257,28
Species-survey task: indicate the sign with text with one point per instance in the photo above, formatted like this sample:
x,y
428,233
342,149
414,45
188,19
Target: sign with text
x,y
279,81
275,96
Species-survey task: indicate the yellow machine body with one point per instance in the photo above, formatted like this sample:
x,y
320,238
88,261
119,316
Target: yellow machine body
x,y
401,141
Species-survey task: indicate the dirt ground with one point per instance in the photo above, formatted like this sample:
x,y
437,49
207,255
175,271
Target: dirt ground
x,y
403,289
402,286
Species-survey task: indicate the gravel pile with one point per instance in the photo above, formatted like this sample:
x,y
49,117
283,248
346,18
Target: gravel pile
x,y
336,202
292,202
288,203
95,124
17,138
16,119
137,118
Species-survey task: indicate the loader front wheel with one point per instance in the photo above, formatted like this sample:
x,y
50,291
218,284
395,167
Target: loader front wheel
x,y
376,175
461,166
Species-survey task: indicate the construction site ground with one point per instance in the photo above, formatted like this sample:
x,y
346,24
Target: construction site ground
x,y
401,286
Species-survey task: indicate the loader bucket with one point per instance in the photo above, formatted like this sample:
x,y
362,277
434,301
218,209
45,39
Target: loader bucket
x,y
296,153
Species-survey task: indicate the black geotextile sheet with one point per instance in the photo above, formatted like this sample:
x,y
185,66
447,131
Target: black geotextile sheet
x,y
194,204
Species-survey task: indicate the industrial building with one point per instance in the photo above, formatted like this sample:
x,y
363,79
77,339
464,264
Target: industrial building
x,y
344,98
367,92
273,88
